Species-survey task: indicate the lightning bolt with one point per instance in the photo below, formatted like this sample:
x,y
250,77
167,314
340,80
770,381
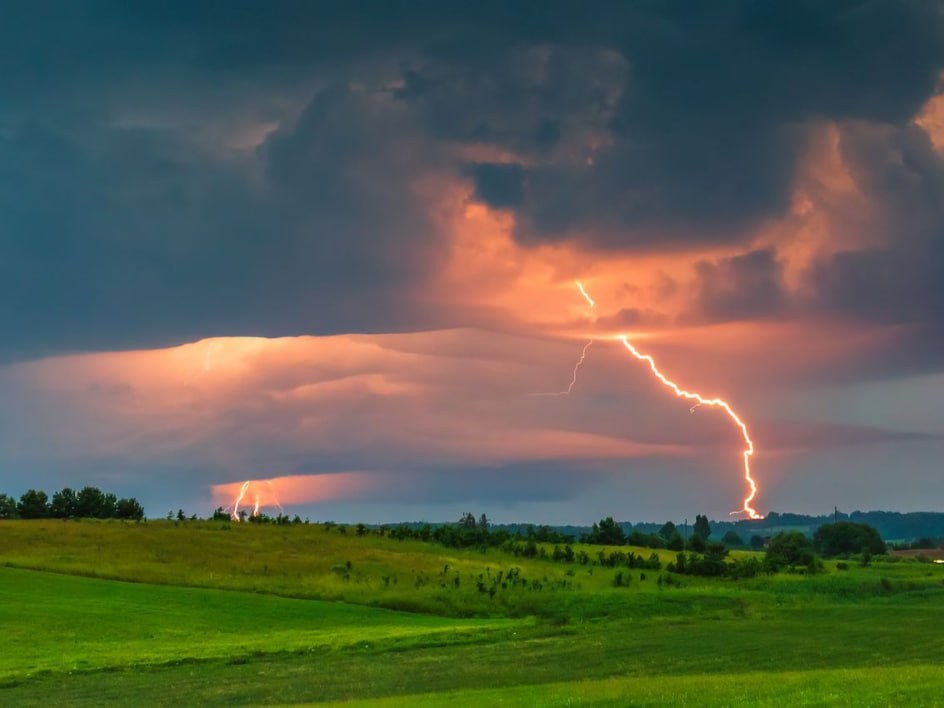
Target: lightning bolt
x,y
697,401
239,500
583,353
719,403
257,499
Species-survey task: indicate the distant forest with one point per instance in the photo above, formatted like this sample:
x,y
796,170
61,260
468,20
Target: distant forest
x,y
891,525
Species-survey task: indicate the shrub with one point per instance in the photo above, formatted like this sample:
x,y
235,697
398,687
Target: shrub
x,y
790,550
848,538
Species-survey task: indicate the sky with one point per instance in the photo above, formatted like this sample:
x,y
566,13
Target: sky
x,y
333,248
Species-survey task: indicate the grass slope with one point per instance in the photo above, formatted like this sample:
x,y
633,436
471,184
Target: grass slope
x,y
858,636
63,623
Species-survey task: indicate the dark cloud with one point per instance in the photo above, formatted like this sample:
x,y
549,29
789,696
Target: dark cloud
x,y
128,218
747,286
119,236
686,123
898,285
499,185
902,280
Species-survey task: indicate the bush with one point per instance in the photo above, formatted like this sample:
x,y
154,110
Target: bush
x,y
790,550
846,538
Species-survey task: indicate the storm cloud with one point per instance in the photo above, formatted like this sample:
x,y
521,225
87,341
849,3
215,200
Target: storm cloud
x,y
316,238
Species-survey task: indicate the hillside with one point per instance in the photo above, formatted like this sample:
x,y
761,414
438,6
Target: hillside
x,y
220,613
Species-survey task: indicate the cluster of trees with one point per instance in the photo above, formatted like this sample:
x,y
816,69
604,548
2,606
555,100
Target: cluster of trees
x,y
474,532
792,551
795,551
846,538
714,562
610,533
478,532
220,514
469,532
87,503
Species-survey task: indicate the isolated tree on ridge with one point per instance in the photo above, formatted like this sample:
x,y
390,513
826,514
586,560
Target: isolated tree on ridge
x,y
702,528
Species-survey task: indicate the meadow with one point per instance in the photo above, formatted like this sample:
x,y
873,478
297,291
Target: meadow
x,y
209,613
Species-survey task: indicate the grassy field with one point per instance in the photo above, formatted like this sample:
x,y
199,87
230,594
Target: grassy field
x,y
262,614
92,624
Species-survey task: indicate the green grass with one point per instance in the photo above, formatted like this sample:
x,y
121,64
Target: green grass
x,y
914,685
309,562
251,614
63,623
661,660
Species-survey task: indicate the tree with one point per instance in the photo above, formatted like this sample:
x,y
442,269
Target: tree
x,y
7,507
33,504
607,533
702,528
790,549
91,503
668,530
129,509
483,523
646,540
697,543
846,538
676,543
181,516
712,564
220,515
64,504
732,538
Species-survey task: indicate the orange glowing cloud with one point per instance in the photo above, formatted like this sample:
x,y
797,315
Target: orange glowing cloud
x,y
274,492
931,118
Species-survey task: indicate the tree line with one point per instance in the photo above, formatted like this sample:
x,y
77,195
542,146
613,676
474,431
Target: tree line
x,y
87,503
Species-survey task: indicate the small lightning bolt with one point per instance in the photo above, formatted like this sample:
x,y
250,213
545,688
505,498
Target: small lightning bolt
x,y
586,296
583,353
257,499
239,500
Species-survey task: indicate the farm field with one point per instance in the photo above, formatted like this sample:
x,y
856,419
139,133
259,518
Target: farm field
x,y
204,613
